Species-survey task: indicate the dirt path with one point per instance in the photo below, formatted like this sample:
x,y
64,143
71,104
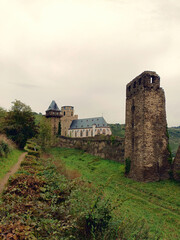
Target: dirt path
x,y
14,169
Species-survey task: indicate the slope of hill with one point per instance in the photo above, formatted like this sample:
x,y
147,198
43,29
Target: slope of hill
x,y
174,138
157,203
174,135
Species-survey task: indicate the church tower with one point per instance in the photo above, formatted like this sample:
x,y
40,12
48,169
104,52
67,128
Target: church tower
x,y
67,118
54,115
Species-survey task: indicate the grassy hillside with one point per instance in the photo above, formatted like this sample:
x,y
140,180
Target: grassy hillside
x,y
9,155
174,138
45,200
117,129
156,203
174,135
8,162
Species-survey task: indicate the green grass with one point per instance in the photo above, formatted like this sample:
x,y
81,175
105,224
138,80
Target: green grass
x,y
157,203
7,163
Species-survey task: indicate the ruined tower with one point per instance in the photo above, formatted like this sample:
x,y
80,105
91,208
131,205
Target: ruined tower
x,y
146,137
66,120
54,114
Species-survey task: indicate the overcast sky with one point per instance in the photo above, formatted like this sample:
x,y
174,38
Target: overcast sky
x,y
84,52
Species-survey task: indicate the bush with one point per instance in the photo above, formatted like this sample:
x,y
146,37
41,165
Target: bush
x,y
4,149
127,165
32,148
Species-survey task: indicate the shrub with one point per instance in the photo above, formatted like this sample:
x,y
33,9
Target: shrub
x,y
4,149
127,165
32,148
1,152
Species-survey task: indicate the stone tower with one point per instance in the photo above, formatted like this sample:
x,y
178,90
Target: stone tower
x,y
54,114
66,120
146,137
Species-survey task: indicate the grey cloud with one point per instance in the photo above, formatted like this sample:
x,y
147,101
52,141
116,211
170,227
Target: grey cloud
x,y
87,59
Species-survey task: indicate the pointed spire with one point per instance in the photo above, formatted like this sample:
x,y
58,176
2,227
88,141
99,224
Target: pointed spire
x,y
53,106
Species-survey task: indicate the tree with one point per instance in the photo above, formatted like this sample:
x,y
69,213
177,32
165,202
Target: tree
x,y
2,118
20,123
45,134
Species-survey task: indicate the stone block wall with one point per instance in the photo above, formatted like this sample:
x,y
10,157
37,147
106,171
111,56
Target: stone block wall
x,y
107,147
146,138
176,166
67,118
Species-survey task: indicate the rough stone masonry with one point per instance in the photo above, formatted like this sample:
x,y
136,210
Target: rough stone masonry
x,y
176,166
146,140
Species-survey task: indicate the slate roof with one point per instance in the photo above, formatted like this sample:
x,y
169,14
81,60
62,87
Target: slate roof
x,y
53,107
88,123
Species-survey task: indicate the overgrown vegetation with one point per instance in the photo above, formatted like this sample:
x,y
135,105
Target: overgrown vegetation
x,y
117,129
127,165
8,155
7,162
155,203
174,139
4,149
44,137
41,203
19,123
32,148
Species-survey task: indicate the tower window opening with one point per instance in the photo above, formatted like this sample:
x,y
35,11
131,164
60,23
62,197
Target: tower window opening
x,y
152,80
134,86
140,81
64,113
129,88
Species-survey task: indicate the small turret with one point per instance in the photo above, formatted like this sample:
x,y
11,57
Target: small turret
x,y
54,114
53,110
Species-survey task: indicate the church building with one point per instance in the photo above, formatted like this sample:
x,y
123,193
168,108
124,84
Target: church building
x,y
71,126
89,127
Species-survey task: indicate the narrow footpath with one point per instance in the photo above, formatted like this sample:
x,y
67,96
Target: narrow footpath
x,y
13,170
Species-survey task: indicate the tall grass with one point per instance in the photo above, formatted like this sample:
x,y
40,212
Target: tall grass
x,y
6,163
155,203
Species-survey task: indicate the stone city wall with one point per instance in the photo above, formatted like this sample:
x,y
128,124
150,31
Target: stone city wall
x,y
107,147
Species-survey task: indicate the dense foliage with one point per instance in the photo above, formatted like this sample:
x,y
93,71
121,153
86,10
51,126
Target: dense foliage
x,y
41,203
44,136
4,149
174,139
117,129
2,118
19,124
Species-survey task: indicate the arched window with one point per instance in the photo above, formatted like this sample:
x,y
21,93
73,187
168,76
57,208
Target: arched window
x,y
86,133
91,133
104,131
75,133
81,133
64,113
98,132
